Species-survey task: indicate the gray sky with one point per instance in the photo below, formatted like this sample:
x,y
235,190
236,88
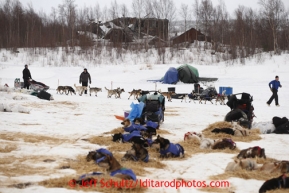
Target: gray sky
x,y
46,5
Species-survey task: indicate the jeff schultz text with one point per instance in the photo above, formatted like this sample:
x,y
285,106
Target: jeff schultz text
x,y
148,183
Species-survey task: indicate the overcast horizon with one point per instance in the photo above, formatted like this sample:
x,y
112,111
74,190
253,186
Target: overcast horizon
x,y
46,6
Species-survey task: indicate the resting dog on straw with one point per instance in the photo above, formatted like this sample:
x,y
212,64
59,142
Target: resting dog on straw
x,y
105,159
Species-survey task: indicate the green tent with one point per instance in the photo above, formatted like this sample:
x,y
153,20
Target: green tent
x,y
188,74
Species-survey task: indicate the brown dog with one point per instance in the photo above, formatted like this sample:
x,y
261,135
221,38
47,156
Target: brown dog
x,y
135,92
105,159
138,152
252,152
168,95
225,143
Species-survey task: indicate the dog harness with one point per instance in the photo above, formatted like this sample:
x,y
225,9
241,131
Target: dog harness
x,y
127,137
124,171
135,127
175,149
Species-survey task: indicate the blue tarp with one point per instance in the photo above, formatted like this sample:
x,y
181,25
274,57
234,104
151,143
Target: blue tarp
x,y
136,111
171,76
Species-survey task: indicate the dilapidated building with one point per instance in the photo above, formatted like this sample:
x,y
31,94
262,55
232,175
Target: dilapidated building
x,y
128,29
190,36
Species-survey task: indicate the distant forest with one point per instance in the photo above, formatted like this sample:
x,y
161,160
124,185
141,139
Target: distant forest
x,y
245,32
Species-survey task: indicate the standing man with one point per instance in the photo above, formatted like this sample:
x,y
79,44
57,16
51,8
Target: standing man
x,y
84,78
274,88
26,76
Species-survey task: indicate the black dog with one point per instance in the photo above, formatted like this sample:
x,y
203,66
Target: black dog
x,y
277,121
149,132
118,137
224,130
275,183
139,120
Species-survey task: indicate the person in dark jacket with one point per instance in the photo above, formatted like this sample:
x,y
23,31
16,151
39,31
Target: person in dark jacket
x,y
84,78
26,76
274,85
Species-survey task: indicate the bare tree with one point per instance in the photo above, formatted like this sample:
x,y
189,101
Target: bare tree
x,y
124,10
104,14
149,8
185,15
206,12
221,10
114,10
250,20
138,9
168,11
274,12
196,12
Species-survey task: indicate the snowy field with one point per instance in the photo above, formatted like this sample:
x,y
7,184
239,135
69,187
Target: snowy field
x,y
69,118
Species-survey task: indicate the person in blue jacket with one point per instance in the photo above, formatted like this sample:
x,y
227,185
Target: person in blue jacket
x,y
274,85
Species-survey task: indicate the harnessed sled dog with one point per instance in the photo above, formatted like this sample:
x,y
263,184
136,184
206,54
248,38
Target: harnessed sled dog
x,y
95,90
135,93
80,89
105,159
168,149
137,153
116,92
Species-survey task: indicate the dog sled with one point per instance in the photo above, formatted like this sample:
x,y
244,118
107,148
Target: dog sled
x,y
154,106
242,110
209,93
37,86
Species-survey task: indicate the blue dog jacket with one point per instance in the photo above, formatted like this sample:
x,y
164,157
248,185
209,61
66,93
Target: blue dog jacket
x,y
103,151
127,137
175,149
124,171
151,124
135,127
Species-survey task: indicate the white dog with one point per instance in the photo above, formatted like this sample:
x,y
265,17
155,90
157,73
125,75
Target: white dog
x,y
193,135
80,89
239,130
207,143
233,166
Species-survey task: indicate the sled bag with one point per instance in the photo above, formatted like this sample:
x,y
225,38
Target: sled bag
x,y
152,105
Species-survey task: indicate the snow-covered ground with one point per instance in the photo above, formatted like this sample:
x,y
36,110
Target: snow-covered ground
x,y
73,117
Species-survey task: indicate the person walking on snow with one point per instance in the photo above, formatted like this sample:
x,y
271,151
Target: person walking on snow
x,y
84,78
274,88
26,76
